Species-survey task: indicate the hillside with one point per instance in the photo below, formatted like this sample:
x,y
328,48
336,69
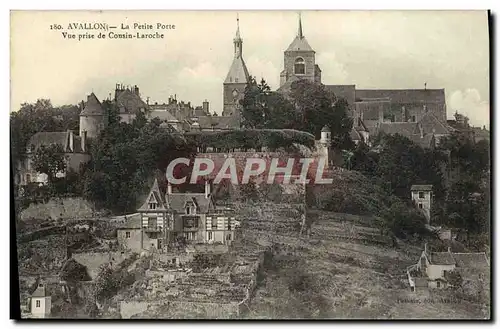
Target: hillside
x,y
344,269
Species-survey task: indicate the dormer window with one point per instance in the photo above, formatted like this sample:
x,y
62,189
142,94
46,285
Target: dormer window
x,y
152,205
300,66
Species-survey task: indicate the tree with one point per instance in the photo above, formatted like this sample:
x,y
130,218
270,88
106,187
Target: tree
x,y
404,222
262,108
318,107
49,160
125,158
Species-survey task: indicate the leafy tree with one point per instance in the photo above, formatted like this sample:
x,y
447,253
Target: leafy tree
x,y
363,160
404,222
249,191
49,160
318,107
124,159
262,108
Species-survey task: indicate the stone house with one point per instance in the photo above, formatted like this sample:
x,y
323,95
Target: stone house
x,y
75,151
432,268
40,302
165,218
422,197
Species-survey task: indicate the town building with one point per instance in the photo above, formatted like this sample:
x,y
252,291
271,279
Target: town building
x,y
236,79
129,102
433,268
75,152
422,197
40,302
93,117
167,218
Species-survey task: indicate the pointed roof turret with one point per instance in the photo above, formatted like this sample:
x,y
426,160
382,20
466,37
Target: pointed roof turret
x,y
238,72
237,37
299,43
299,34
92,106
155,196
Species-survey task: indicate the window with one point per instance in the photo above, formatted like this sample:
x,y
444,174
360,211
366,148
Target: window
x,y
28,178
127,235
210,236
413,118
300,66
37,303
188,210
228,237
420,206
420,195
152,206
438,284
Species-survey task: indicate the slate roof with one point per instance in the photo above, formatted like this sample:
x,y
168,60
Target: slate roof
x,y
421,187
155,195
238,72
299,44
132,221
93,106
47,138
129,102
219,122
40,291
442,258
432,125
162,115
402,128
347,92
404,96
472,260
177,201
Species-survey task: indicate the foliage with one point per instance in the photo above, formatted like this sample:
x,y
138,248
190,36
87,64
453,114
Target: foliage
x,y
263,108
124,158
454,278
308,107
74,271
270,192
404,221
37,117
49,160
248,192
249,139
318,107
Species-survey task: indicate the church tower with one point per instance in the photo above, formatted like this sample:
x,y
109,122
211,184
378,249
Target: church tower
x,y
236,79
300,60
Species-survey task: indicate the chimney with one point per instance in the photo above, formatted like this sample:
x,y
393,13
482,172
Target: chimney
x,y
206,107
169,188
83,139
71,140
136,90
207,188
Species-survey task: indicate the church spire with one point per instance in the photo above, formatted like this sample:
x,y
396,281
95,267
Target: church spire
x,y
237,37
299,34
238,42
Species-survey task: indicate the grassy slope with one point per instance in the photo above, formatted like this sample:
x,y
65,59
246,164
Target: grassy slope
x,y
344,269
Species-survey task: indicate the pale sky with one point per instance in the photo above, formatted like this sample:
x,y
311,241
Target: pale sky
x,y
371,49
